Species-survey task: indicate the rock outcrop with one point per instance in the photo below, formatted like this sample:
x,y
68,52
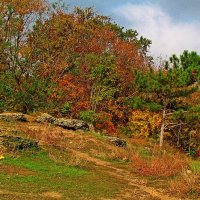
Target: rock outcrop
x,y
117,141
13,117
71,124
46,118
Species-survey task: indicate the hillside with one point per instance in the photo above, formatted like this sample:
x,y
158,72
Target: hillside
x,y
73,165
86,112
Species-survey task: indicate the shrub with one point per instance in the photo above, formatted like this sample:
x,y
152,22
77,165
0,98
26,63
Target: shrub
x,y
30,95
88,116
126,130
161,165
104,123
66,108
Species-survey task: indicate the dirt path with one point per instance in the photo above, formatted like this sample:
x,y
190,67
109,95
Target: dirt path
x,y
122,174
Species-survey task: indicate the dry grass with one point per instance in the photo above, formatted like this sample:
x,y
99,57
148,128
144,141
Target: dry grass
x,y
139,141
53,137
186,184
2,150
76,161
70,159
112,154
46,135
49,136
161,165
120,154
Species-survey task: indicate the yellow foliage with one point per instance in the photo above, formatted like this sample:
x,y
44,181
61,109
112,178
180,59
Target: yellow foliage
x,y
144,123
1,157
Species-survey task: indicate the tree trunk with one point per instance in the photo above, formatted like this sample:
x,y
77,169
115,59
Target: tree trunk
x,y
162,127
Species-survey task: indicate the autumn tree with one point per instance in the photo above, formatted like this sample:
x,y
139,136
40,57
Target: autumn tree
x,y
89,57
16,20
73,60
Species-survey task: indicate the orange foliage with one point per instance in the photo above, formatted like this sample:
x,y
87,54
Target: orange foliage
x,y
161,166
193,99
66,39
24,7
56,47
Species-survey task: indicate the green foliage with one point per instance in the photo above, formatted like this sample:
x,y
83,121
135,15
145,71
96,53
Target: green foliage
x,y
166,90
6,91
135,102
153,106
188,63
66,108
27,97
126,130
103,74
186,135
139,103
163,87
33,95
88,116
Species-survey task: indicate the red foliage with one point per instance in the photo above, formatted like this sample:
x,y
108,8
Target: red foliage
x,y
105,123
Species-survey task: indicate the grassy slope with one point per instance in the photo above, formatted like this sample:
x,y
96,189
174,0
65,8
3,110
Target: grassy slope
x,y
73,182
100,172
34,175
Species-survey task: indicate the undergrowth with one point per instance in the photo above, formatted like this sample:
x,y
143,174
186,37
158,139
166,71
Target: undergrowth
x,y
185,185
163,165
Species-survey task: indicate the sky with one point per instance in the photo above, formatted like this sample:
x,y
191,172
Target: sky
x,y
172,25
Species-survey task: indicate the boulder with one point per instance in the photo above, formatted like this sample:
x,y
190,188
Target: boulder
x,y
46,118
71,124
13,117
14,143
117,141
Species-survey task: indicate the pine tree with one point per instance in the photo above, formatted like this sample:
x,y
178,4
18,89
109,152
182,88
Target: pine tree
x,y
166,89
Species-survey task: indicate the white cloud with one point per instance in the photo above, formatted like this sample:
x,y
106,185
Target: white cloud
x,y
167,36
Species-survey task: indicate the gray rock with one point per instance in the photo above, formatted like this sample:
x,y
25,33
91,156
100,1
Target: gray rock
x,y
117,141
71,124
13,117
46,118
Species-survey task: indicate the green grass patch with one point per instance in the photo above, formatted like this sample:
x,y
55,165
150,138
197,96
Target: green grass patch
x,y
144,152
71,182
195,166
42,164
